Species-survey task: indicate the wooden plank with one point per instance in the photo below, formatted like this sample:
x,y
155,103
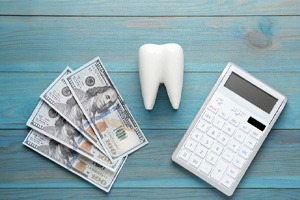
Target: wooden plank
x,y
153,193
275,166
51,43
149,8
20,93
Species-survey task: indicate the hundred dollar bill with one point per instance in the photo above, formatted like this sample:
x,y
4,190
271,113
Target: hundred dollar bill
x,y
48,122
94,173
59,97
105,109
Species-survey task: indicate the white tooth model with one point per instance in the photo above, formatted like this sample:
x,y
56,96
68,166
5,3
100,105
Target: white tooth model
x,y
161,64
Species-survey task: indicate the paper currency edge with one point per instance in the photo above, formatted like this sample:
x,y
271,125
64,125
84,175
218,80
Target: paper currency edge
x,y
56,80
74,172
92,124
76,149
110,79
42,96
84,112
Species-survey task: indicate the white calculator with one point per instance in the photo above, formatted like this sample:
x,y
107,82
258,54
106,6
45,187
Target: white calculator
x,y
229,129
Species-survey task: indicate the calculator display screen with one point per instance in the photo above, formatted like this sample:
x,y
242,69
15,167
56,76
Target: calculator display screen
x,y
250,92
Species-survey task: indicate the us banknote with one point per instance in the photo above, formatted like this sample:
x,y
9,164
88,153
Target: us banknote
x,y
48,122
105,109
72,161
59,97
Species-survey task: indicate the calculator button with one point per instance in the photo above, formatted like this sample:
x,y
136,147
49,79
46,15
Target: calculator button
x,y
205,167
213,132
217,148
229,129
240,136
207,141
245,127
256,134
202,126
196,135
219,101
238,161
195,161
250,142
233,121
190,144
212,158
223,114
208,116
223,138
184,154
228,155
245,152
227,181
234,145
232,171
212,107
201,151
219,170
219,122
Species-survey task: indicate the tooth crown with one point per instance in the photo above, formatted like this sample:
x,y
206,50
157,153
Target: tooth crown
x,y
161,64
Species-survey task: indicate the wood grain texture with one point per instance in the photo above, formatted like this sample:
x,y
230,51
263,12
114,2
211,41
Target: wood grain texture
x,y
149,8
20,92
38,39
150,193
275,166
49,44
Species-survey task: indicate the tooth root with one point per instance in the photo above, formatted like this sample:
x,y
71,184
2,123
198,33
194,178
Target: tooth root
x,y
149,86
174,69
161,64
149,70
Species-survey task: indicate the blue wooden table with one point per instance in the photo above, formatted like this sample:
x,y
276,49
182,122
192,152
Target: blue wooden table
x,y
38,39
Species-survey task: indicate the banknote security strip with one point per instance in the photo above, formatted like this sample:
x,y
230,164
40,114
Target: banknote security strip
x,y
83,124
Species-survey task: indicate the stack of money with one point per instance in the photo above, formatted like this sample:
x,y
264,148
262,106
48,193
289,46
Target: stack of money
x,y
83,124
